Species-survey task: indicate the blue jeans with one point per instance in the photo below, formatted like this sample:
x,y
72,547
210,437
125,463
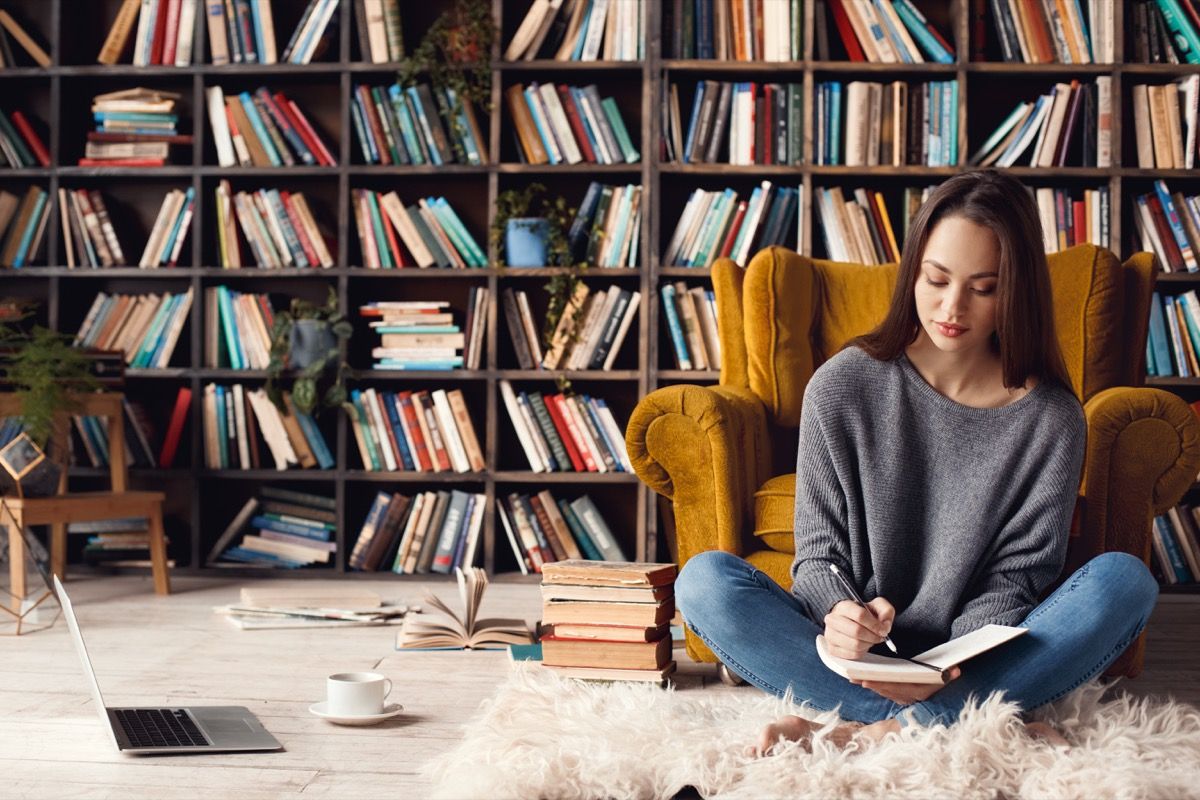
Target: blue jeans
x,y
759,631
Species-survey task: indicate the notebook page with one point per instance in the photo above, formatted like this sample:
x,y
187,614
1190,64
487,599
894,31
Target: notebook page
x,y
972,644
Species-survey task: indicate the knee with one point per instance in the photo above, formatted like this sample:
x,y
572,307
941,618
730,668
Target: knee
x,y
699,582
1127,581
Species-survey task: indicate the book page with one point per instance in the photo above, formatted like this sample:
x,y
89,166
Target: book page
x,y
956,651
872,667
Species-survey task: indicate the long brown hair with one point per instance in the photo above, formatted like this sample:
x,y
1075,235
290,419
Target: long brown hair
x,y
1025,338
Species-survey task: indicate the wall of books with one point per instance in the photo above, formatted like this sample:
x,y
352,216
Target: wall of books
x,y
171,180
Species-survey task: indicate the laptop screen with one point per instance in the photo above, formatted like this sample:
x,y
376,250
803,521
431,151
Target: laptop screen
x,y
80,648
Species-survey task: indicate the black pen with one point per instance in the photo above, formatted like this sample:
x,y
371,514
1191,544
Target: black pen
x,y
849,587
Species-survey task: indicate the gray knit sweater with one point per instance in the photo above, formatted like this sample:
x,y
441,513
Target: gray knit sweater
x,y
959,516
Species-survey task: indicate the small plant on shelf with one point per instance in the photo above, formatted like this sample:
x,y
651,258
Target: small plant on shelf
x,y
456,53
308,339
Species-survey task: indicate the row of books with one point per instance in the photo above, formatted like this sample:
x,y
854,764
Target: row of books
x,y
609,621
607,228
1071,125
888,31
1049,31
568,124
164,33
88,232
137,111
431,233
856,230
145,327
736,123
169,231
238,334
434,531
245,429
543,530
566,433
140,434
588,335
20,145
716,224
22,35
423,431
1176,545
1154,27
1068,220
23,223
893,124
278,528
380,30
1165,122
243,31
735,30
116,542
419,334
262,129
404,125
580,30
1173,343
691,315
278,227
1168,225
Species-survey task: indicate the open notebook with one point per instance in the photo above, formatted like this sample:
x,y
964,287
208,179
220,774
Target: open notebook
x,y
873,667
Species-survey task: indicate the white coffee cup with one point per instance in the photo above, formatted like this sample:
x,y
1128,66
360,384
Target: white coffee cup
x,y
356,694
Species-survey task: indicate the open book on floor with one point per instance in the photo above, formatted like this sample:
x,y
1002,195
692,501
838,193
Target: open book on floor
x,y
873,667
420,632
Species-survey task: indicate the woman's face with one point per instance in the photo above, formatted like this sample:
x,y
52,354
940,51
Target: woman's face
x,y
956,285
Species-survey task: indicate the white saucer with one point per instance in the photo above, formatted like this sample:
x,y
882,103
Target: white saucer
x,y
389,711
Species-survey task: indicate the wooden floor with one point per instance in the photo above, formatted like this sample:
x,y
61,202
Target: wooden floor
x,y
174,650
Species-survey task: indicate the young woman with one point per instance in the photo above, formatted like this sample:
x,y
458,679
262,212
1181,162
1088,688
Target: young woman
x,y
939,462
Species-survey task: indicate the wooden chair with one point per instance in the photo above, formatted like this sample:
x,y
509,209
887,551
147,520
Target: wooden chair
x,y
66,507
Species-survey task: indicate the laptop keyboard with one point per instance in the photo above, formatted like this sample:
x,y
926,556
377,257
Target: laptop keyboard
x,y
154,727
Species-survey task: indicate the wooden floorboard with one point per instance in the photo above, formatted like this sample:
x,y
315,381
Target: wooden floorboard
x,y
150,650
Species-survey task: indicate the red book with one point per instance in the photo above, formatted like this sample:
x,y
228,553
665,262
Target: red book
x,y
564,432
1079,208
372,120
846,31
183,402
568,104
414,430
589,461
393,245
265,306
31,138
768,124
121,162
306,245
1174,257
171,33
731,239
160,32
425,405
306,131
281,120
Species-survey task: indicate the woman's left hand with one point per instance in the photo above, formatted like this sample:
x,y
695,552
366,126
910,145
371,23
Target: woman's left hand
x,y
906,693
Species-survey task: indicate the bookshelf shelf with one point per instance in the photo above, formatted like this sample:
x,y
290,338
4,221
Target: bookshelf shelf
x,y
1038,70
568,169
566,477
544,65
1178,277
455,478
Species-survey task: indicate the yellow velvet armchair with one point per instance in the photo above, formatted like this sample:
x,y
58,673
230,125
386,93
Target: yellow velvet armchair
x,y
725,455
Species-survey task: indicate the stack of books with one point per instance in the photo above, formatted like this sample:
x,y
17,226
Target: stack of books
x,y
1072,125
380,30
1168,225
139,112
1173,344
857,230
278,226
419,431
566,433
1068,220
278,528
1163,33
243,429
589,333
610,621
888,31
238,334
145,327
262,129
719,225
736,123
1165,122
23,223
9,27
244,32
542,530
1067,33
895,124
607,228
419,334
398,125
580,30
116,542
431,532
165,33
169,232
1176,545
139,436
568,125
691,315
20,145
734,30
431,233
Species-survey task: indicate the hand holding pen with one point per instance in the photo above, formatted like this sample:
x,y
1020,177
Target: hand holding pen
x,y
852,627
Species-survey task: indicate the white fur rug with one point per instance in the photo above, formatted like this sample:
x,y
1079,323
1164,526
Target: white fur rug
x,y
541,736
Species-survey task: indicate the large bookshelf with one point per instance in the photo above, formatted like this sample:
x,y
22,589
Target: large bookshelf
x,y
202,501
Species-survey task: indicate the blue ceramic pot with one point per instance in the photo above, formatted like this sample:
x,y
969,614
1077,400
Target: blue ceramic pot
x,y
525,242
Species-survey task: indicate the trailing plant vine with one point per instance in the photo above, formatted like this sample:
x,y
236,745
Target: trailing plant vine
x,y
304,385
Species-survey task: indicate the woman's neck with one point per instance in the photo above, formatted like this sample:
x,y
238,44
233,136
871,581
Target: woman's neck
x,y
955,374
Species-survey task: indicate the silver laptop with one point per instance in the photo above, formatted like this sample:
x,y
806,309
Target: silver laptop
x,y
146,731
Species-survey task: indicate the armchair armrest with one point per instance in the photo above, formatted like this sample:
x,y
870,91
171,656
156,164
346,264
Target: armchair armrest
x,y
1143,453
707,450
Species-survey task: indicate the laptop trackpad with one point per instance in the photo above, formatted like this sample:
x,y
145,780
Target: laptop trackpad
x,y
228,724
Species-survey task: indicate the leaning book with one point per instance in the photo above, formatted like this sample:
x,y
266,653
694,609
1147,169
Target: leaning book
x,y
462,632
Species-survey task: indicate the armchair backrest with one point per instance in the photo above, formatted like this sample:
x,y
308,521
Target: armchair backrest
x,y
785,314
106,405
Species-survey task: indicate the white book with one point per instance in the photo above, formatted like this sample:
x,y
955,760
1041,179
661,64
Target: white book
x,y
188,210
543,30
316,29
173,330
174,202
1141,126
376,32
518,423
1045,205
1150,239
267,22
583,353
562,127
906,42
1190,91
410,527
626,321
186,33
157,232
858,98
528,28
270,425
450,434
141,39
685,219
751,222
1043,151
595,31
1022,142
699,219
535,433
239,415
220,127
872,667
380,427
614,432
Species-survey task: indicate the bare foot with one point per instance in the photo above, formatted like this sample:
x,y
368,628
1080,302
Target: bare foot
x,y
1042,730
792,728
875,732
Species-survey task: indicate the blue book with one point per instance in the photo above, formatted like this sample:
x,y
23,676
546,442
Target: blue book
x,y
178,224
266,523
415,329
835,124
756,197
1178,564
893,35
407,126
444,209
693,123
360,129
255,557
586,545
449,532
577,53
154,331
444,365
704,30
577,98
590,404
298,53
464,533
151,131
367,431
289,133
260,128
316,441
35,221
915,22
1159,339
393,413
228,321
222,434
1151,369
378,231
525,652
952,157
681,351
425,128
134,116
1172,215
256,24
549,142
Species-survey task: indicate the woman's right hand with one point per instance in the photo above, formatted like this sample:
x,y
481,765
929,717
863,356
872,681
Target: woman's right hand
x,y
851,630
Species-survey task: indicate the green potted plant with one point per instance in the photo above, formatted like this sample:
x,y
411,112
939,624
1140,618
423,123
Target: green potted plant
x,y
307,339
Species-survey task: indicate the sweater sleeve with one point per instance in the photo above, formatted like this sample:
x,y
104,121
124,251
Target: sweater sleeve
x,y
1032,546
821,527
